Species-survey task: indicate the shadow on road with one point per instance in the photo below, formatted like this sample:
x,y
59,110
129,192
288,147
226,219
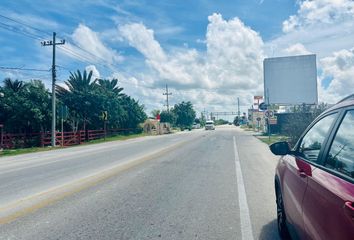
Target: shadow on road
x,y
269,231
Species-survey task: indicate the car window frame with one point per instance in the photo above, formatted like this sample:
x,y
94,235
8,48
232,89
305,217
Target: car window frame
x,y
328,137
329,143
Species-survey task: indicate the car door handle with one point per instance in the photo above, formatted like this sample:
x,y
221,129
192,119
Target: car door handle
x,y
349,206
302,174
349,209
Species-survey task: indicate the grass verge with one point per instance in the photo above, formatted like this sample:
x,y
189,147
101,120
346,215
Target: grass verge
x,y
13,152
272,139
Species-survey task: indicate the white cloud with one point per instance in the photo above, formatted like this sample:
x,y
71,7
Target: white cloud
x,y
340,68
322,26
95,72
234,54
230,67
143,40
92,48
296,49
320,12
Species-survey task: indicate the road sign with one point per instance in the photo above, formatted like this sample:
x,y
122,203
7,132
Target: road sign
x,y
266,114
263,106
258,119
105,115
269,114
273,120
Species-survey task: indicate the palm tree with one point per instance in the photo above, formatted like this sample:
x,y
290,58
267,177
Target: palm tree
x,y
79,95
111,86
77,83
14,85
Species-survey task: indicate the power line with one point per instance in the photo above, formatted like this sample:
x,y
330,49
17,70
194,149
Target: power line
x,y
19,31
77,55
24,69
94,55
9,27
24,24
37,37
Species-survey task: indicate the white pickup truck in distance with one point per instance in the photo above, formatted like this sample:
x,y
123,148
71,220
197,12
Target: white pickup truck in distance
x,y
209,125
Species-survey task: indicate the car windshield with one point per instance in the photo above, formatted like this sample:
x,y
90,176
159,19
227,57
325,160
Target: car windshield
x,y
137,119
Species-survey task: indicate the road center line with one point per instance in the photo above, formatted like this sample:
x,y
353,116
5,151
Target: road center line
x,y
246,227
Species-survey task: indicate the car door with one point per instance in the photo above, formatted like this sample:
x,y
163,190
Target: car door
x,y
328,206
299,168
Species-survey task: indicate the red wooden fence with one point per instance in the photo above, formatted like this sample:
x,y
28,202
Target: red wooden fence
x,y
62,139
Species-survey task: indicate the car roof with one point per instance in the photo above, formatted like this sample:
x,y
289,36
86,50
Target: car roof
x,y
345,102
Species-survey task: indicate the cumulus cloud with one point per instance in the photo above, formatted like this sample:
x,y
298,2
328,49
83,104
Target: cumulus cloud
x,y
322,26
143,40
92,48
95,72
296,49
316,12
234,54
230,67
340,68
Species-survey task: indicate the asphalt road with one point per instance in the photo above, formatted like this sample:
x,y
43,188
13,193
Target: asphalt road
x,y
196,185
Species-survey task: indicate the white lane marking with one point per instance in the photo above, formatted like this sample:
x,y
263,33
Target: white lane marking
x,y
246,227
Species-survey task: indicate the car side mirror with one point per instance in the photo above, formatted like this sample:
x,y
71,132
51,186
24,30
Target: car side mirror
x,y
280,148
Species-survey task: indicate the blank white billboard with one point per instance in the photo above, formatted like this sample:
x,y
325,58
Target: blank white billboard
x,y
290,80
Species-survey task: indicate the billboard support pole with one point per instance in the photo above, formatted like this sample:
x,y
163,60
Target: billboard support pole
x,y
268,117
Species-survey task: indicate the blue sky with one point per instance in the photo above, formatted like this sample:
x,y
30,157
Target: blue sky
x,y
209,52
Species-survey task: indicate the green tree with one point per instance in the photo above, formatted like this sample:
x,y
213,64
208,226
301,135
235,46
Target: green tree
x,y
168,117
14,85
202,120
110,87
24,107
185,114
236,121
82,97
297,121
155,112
133,112
110,100
221,122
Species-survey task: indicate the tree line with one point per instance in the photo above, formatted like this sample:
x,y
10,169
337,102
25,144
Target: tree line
x,y
25,107
182,115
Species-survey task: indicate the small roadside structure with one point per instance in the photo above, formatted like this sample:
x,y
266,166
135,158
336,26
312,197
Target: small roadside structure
x,y
155,127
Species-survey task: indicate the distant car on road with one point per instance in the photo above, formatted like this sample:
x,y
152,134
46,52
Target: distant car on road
x,y
209,125
196,126
314,181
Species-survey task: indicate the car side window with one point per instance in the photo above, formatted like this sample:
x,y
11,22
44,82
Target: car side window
x,y
312,141
341,154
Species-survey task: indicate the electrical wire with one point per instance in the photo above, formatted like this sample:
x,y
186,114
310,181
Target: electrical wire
x,y
83,58
24,24
77,55
24,69
19,31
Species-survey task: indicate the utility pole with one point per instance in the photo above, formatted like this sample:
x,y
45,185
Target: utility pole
x,y
53,43
167,94
238,107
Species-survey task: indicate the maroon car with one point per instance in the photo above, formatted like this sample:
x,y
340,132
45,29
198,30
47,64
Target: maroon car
x,y
314,181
